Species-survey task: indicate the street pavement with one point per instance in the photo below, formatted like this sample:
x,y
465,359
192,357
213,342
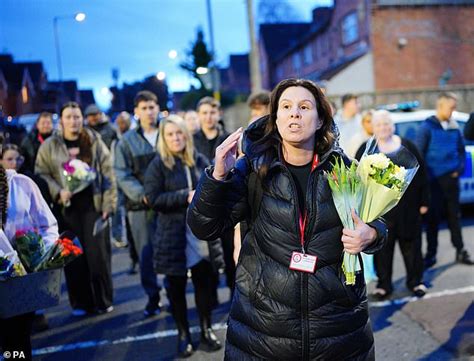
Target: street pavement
x,y
439,326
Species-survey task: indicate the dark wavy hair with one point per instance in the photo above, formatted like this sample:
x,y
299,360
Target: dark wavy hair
x,y
85,141
266,148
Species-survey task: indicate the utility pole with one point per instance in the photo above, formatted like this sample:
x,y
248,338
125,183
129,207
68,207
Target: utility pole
x,y
214,70
254,56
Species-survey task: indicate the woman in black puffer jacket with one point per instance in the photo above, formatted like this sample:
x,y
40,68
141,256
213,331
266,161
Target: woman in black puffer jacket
x,y
169,186
279,313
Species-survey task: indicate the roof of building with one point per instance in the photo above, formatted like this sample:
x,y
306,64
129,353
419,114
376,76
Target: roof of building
x,y
321,20
277,38
14,72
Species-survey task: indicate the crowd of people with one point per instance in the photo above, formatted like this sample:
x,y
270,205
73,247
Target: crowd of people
x,y
245,193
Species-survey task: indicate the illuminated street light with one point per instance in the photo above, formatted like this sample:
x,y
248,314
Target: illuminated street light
x,y
80,17
161,75
172,54
201,70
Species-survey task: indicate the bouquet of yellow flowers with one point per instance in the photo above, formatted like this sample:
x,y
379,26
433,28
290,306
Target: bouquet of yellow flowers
x,y
371,187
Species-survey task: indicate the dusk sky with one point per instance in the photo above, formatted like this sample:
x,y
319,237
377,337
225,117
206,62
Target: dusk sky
x,y
134,36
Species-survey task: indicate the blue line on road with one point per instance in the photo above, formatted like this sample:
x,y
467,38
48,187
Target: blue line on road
x,y
222,326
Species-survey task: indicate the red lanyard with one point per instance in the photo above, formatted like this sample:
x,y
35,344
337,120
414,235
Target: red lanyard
x,y
302,220
302,228
40,138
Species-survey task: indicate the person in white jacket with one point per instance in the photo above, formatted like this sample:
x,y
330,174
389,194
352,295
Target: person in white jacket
x,y
22,207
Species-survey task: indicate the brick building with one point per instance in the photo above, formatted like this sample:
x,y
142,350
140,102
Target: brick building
x,y
366,46
24,89
21,85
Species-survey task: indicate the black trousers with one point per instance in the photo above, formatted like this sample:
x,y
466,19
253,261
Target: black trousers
x,y
412,257
15,334
201,275
132,251
89,277
444,196
228,249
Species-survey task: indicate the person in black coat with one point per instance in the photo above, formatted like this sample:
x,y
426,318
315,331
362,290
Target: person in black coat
x,y
403,221
281,310
469,128
31,143
169,186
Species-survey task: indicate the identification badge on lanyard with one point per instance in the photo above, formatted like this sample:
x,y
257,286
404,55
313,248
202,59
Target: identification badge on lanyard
x,y
303,262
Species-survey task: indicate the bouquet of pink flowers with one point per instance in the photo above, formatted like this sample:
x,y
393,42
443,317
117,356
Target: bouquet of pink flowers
x,y
78,175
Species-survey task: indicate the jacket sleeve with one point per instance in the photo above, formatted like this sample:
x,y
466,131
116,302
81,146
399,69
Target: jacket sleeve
x,y
462,154
108,184
123,167
43,166
382,234
422,139
158,198
218,206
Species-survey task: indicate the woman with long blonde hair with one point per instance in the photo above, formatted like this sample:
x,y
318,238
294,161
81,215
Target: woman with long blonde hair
x,y
170,181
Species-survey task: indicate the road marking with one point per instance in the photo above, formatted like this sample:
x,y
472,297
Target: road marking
x,y
222,326
409,299
128,339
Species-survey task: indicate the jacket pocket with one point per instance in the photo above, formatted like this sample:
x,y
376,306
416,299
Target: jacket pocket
x,y
353,294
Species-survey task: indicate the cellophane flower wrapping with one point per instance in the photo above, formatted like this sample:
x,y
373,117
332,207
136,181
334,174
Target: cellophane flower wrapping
x,y
371,187
10,264
30,247
78,175
63,251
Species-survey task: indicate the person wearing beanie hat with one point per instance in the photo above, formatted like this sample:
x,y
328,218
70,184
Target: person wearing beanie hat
x,y
99,122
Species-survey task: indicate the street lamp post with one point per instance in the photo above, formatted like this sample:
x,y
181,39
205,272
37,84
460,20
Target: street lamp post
x,y
214,71
79,17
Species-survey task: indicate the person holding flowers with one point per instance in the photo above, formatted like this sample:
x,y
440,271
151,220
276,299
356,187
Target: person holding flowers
x,y
77,166
403,221
22,208
290,301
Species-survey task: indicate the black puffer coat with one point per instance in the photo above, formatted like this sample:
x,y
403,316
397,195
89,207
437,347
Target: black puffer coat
x,y
167,193
278,313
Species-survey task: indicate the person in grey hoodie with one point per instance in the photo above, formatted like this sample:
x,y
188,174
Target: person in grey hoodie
x,y
133,154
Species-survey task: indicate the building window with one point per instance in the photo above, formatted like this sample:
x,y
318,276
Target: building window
x,y
296,61
24,94
308,54
350,28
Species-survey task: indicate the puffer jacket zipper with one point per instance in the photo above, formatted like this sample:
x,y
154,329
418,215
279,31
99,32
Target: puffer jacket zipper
x,y
303,276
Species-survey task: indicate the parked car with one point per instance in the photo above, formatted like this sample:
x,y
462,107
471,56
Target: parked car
x,y
407,122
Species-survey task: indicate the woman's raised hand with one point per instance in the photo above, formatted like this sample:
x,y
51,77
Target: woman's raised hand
x,y
226,154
